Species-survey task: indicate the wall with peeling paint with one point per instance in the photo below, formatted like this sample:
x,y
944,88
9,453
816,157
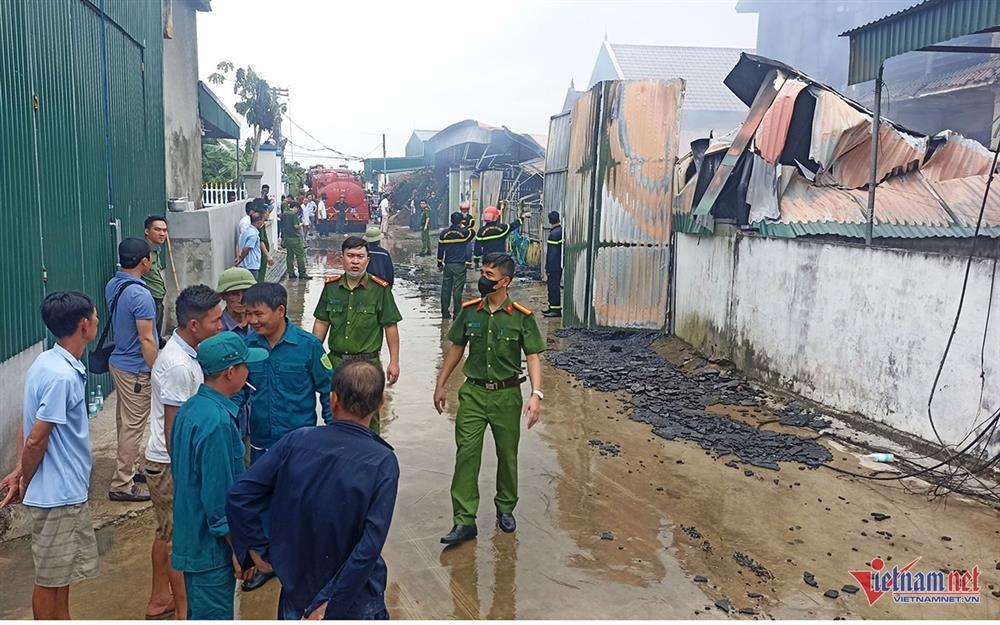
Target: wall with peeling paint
x,y
859,330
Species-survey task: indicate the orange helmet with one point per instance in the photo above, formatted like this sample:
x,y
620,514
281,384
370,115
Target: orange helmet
x,y
491,213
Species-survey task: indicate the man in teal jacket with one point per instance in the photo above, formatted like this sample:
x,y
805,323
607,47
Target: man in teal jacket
x,y
207,457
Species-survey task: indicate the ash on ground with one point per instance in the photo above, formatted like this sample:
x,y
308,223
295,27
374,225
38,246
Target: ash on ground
x,y
673,400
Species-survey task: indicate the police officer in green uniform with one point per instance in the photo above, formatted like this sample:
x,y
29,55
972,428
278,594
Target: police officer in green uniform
x,y
453,262
266,259
497,331
425,228
295,251
356,309
206,459
156,235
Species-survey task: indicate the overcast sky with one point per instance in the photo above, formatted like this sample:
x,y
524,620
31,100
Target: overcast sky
x,y
357,69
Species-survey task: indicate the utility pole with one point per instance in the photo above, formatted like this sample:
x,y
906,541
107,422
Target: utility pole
x,y
385,174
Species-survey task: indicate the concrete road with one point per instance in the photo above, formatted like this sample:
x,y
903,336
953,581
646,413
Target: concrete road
x,y
623,534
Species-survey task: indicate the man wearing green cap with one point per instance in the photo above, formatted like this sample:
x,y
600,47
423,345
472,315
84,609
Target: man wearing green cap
x,y
232,284
497,331
291,229
355,309
207,458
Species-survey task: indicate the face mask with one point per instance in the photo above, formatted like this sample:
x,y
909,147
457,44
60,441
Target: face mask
x,y
354,275
487,286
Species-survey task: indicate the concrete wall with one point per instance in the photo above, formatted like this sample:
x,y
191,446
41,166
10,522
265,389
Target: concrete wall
x,y
12,378
204,245
182,127
859,330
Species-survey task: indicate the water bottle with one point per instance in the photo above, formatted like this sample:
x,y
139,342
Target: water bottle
x,y
880,457
92,406
100,398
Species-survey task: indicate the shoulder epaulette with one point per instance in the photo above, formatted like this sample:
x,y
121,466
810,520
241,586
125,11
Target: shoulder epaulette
x,y
379,281
334,278
471,302
522,309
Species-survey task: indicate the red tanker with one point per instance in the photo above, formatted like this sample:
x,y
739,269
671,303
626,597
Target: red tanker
x,y
331,184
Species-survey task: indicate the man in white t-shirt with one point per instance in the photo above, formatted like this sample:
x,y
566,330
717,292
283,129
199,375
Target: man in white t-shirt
x,y
244,222
383,209
175,378
308,211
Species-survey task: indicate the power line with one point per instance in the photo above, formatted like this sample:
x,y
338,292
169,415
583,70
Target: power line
x,y
313,137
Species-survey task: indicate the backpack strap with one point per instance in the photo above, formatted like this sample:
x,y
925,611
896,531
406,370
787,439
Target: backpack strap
x,y
114,306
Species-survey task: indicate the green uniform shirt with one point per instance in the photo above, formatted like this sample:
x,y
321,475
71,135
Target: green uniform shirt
x,y
495,340
425,219
290,219
154,277
287,384
206,459
357,317
263,238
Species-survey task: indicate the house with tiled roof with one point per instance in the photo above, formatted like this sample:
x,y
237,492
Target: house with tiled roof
x,y
709,107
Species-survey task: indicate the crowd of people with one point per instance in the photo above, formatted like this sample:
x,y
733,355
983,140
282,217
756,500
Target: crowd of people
x,y
244,485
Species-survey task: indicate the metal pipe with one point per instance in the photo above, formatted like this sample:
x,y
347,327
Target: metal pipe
x,y
876,123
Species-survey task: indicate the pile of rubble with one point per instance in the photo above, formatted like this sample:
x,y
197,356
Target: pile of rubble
x,y
674,401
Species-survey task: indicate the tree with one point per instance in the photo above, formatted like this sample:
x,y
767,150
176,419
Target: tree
x,y
218,161
257,103
296,175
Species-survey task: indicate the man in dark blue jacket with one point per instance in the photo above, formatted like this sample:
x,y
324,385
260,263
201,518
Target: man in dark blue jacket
x,y
553,266
330,492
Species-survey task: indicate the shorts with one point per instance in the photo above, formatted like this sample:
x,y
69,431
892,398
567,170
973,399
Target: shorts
x,y
160,481
63,545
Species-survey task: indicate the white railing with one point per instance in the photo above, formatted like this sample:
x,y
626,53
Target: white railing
x,y
215,194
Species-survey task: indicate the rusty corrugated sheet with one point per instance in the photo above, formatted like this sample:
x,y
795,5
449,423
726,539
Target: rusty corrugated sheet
x,y
627,287
773,130
804,202
641,144
957,157
837,127
578,216
964,197
896,152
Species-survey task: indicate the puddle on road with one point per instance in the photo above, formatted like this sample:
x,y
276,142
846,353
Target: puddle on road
x,y
619,535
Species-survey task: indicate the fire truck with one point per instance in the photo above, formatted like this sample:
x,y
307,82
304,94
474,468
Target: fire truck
x,y
332,184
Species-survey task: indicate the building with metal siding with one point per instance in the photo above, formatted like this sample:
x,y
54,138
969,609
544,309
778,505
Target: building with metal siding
x,y
81,130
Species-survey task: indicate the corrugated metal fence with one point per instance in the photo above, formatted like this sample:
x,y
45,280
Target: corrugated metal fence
x,y
54,59
623,145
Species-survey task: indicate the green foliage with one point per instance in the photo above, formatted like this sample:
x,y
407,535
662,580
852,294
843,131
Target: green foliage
x,y
218,161
296,177
257,102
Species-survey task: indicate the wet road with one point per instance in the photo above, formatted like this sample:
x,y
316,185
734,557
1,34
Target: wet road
x,y
619,534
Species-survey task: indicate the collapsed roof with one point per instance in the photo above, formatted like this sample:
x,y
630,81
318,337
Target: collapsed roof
x,y
800,161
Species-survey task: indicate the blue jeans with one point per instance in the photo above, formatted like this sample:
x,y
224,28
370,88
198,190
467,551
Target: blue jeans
x,y
211,594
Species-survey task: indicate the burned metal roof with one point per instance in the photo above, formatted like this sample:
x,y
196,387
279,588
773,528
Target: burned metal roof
x,y
799,165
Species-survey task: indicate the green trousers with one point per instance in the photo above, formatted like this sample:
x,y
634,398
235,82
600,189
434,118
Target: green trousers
x,y
477,408
211,594
295,255
375,425
262,272
425,241
452,285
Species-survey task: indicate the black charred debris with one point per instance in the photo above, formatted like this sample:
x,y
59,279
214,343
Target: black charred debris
x,y
673,400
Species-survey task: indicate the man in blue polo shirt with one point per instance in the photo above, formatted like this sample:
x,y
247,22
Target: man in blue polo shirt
x,y
52,474
207,456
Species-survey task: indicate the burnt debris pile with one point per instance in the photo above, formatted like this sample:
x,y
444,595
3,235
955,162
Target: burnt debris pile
x,y
673,400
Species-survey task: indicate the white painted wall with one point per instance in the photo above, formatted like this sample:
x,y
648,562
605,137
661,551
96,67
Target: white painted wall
x,y
12,378
859,330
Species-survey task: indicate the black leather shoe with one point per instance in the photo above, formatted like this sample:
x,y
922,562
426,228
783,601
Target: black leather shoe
x,y
258,580
459,534
506,522
552,313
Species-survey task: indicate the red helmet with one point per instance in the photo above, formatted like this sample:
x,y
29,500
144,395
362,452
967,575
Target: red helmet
x,y
491,213
463,206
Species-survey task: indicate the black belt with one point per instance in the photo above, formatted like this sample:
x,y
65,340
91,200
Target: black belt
x,y
496,386
366,355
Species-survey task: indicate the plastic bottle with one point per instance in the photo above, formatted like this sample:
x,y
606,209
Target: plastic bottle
x,y
880,457
92,406
100,398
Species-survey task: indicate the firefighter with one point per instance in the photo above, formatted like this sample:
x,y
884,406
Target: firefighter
x,y
469,223
492,237
453,261
553,266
